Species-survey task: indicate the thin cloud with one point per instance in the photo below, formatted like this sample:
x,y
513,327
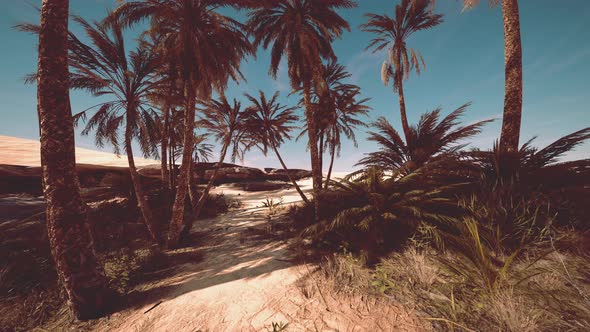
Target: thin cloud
x,y
364,61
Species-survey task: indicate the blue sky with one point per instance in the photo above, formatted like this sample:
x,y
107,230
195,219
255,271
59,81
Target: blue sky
x,y
464,58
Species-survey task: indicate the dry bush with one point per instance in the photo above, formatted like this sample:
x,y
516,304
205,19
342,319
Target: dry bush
x,y
512,313
539,292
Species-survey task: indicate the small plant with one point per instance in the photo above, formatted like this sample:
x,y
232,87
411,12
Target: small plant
x,y
278,327
381,282
273,206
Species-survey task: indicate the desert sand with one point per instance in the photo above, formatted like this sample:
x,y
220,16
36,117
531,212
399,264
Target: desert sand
x,y
247,283
25,152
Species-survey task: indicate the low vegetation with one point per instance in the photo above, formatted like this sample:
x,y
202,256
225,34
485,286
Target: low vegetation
x,y
474,240
465,239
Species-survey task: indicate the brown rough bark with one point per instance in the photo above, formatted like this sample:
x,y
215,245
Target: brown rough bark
x,y
142,203
332,154
321,155
313,147
399,77
164,148
177,221
510,136
303,197
79,270
197,206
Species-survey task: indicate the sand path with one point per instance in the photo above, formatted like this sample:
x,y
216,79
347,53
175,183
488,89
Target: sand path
x,y
245,283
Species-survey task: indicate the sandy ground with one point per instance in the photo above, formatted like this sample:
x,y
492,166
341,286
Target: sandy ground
x,y
25,152
247,283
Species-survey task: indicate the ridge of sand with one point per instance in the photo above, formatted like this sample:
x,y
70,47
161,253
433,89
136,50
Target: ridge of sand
x,y
25,152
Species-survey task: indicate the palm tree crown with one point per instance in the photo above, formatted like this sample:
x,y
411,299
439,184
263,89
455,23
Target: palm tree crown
x,y
196,36
106,70
303,30
429,139
392,33
225,121
271,122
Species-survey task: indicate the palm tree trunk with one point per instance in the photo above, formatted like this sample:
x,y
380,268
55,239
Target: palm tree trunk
x,y
177,221
321,154
313,147
199,205
146,212
332,154
192,190
399,78
164,148
78,268
303,197
172,163
513,85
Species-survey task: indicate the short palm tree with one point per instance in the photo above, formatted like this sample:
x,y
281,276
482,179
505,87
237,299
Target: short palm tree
x,y
430,139
79,270
225,122
208,48
105,69
270,124
529,162
301,30
392,33
375,213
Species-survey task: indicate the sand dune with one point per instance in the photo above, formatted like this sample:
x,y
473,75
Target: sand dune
x,y
25,152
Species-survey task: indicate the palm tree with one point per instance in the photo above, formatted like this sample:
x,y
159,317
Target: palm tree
x,y
337,109
105,69
71,243
345,121
392,33
529,162
208,48
510,137
225,121
270,124
429,140
375,213
303,30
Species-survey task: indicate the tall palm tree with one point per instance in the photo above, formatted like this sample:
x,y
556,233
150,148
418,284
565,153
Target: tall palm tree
x,y
303,30
430,139
271,124
71,243
225,121
392,33
510,137
208,48
104,68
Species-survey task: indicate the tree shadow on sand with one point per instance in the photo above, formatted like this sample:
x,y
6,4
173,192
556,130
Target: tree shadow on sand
x,y
231,248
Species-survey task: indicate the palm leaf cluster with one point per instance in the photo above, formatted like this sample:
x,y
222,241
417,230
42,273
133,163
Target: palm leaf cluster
x,y
431,139
500,166
300,30
375,213
195,36
127,80
392,32
270,122
224,120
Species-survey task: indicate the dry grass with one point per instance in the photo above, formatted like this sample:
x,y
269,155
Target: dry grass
x,y
553,297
